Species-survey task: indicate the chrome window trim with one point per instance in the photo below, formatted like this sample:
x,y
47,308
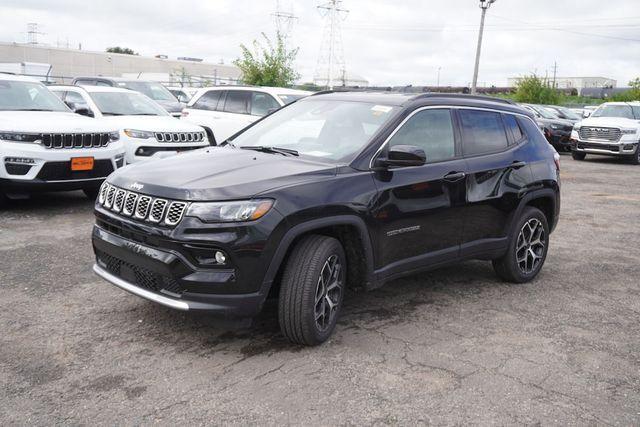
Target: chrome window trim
x,y
448,107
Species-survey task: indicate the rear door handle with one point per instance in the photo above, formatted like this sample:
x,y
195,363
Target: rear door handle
x,y
454,176
518,164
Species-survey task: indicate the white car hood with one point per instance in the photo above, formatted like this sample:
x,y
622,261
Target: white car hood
x,y
51,122
610,122
152,123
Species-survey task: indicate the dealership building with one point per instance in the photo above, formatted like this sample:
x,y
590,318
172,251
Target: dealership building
x,y
66,64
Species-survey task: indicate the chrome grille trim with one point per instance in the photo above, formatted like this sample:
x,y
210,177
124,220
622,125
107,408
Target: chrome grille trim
x,y
174,213
157,210
180,136
141,207
594,133
118,200
110,195
129,204
74,140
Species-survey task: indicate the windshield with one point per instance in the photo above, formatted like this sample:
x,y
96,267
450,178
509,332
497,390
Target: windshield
x,y
544,112
569,114
624,111
288,99
155,91
126,104
331,130
28,96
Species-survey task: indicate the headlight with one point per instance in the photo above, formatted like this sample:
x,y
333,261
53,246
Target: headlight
x,y
114,136
246,210
629,131
19,137
554,126
576,127
141,134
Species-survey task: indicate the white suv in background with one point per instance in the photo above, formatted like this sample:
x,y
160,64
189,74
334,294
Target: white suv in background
x,y
225,110
146,129
44,146
611,130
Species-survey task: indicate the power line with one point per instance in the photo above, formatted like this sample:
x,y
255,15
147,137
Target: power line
x,y
331,55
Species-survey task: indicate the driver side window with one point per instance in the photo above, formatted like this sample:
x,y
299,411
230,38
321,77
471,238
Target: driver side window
x,y
431,130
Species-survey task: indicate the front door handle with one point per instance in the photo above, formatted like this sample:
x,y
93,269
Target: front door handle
x,y
518,164
454,176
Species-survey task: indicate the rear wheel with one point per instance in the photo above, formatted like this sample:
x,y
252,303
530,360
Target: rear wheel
x,y
577,155
312,290
528,246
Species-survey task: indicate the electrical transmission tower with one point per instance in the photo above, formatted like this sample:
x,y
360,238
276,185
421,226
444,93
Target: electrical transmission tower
x,y
33,33
284,20
331,57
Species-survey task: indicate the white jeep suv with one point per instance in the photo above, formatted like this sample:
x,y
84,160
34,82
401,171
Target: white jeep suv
x,y
146,129
225,110
44,146
611,130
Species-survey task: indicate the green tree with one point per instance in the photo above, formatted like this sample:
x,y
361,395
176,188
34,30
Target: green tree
x,y
124,50
270,65
534,90
630,95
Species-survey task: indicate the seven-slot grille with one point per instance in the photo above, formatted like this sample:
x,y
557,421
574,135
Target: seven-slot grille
x,y
141,207
590,133
180,136
75,140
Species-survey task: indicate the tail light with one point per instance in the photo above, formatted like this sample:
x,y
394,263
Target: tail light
x,y
556,159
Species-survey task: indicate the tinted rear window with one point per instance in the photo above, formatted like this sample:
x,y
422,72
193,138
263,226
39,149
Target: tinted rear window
x,y
513,127
482,132
238,101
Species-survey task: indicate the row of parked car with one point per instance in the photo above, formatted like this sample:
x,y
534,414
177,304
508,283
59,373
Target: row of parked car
x,y
72,137
612,129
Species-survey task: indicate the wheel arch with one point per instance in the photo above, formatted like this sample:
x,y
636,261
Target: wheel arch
x,y
546,200
352,233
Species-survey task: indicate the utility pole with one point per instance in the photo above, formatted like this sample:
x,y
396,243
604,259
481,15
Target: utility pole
x,y
33,33
284,21
555,72
332,50
484,5
438,84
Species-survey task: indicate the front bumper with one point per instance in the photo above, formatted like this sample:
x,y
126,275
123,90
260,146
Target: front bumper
x,y
559,138
31,167
137,151
605,148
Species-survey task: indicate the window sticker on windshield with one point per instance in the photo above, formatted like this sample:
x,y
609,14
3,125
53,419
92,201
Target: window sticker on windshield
x,y
380,109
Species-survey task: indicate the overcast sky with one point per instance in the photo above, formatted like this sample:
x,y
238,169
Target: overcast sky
x,y
388,42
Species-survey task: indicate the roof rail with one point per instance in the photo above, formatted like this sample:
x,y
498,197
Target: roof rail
x,y
323,92
464,96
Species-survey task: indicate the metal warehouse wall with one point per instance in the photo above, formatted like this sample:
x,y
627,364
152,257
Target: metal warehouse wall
x,y
71,63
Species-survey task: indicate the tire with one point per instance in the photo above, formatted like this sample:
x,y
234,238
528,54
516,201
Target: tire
x,y
527,251
4,200
635,159
308,307
578,155
91,193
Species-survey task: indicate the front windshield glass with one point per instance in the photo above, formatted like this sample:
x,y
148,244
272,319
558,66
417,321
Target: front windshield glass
x,y
288,99
126,104
155,91
28,96
544,112
569,114
327,129
624,111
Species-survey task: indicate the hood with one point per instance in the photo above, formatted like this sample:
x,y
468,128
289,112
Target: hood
x,y
560,122
218,173
620,122
51,122
172,106
152,123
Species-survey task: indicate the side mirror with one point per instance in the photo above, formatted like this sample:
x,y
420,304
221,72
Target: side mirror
x,y
83,111
403,156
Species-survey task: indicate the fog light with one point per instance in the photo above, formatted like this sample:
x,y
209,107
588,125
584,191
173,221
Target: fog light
x,y
221,258
19,160
628,147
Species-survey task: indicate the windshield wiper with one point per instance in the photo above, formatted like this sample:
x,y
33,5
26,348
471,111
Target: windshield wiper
x,y
143,114
107,113
34,109
275,150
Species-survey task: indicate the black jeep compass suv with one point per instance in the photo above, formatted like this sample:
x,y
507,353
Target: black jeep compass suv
x,y
335,191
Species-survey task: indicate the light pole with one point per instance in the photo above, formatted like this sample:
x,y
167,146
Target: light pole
x,y
438,84
484,5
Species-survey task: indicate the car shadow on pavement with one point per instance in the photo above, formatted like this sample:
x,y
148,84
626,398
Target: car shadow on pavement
x,y
49,203
396,303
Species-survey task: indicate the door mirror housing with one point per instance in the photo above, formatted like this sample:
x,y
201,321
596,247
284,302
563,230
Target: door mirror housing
x,y
403,156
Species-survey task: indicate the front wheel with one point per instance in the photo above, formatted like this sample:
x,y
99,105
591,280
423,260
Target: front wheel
x,y
312,290
577,155
527,251
635,159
